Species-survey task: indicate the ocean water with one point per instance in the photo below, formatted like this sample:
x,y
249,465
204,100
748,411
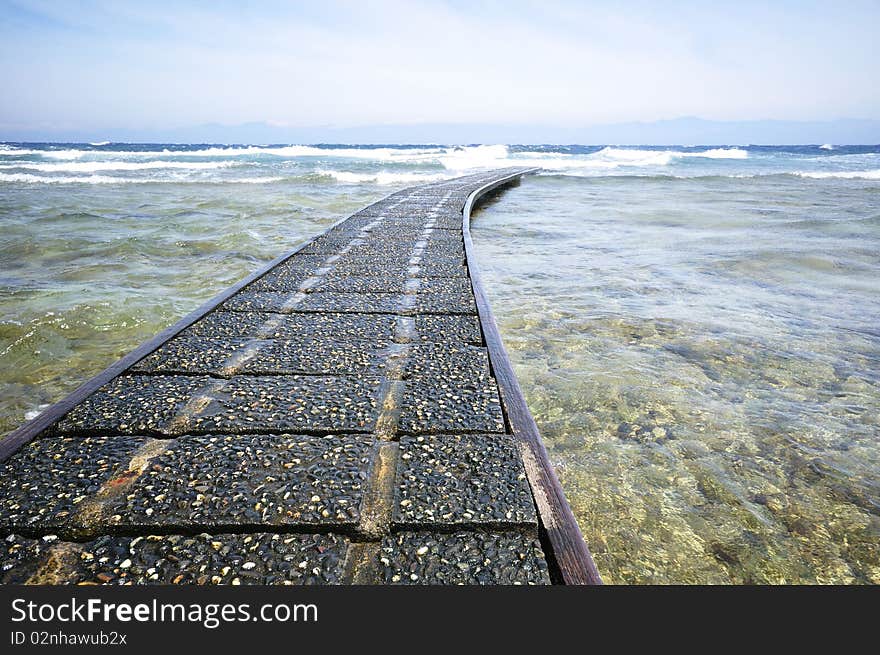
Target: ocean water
x,y
695,327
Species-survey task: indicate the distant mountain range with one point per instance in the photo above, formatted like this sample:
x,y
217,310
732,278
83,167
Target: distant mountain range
x,y
680,131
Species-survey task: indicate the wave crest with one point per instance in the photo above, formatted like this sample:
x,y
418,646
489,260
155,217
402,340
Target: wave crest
x,y
841,175
93,166
29,178
380,177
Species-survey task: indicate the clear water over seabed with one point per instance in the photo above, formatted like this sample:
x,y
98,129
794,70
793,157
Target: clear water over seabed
x,y
695,328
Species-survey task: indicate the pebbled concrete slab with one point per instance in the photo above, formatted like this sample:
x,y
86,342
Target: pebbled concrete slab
x,y
446,359
347,267
443,302
228,324
460,286
320,356
247,559
258,301
461,480
392,283
437,328
295,403
464,402
348,327
192,355
208,482
441,268
383,303
463,558
42,485
285,280
133,404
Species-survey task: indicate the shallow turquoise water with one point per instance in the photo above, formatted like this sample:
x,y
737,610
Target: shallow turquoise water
x,y
88,272
703,360
695,328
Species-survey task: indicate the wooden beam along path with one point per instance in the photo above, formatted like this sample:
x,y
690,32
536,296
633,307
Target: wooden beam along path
x,y
346,415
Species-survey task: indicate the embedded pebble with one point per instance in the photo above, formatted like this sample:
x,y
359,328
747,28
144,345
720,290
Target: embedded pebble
x,y
469,558
462,479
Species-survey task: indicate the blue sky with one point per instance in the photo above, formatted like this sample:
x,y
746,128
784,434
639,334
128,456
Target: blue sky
x,y
153,65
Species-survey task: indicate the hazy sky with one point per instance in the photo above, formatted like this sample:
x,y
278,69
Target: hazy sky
x,y
92,64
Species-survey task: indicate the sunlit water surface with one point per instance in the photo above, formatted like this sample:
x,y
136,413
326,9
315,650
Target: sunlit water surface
x,y
90,272
702,357
695,327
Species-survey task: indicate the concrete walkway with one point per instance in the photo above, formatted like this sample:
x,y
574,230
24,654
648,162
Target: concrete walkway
x,y
334,420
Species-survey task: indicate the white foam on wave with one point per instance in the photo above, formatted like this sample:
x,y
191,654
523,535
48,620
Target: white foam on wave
x,y
252,180
842,175
456,158
93,166
717,153
601,162
28,178
380,177
463,158
606,159
377,154
826,146
34,413
52,154
100,143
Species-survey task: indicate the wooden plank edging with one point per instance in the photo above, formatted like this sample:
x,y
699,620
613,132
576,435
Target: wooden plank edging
x,y
573,561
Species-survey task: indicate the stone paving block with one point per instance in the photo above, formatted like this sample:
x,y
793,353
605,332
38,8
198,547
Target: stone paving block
x,y
295,403
229,324
260,558
283,280
395,242
463,558
446,359
192,355
464,402
402,213
333,241
257,301
382,303
20,557
443,250
442,302
428,268
341,327
322,355
449,285
212,481
461,479
431,328
438,260
399,231
301,261
42,484
133,404
356,284
382,256
448,222
359,268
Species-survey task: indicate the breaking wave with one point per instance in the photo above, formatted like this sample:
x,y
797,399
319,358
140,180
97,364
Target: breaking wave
x,y
842,175
28,178
380,177
93,166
